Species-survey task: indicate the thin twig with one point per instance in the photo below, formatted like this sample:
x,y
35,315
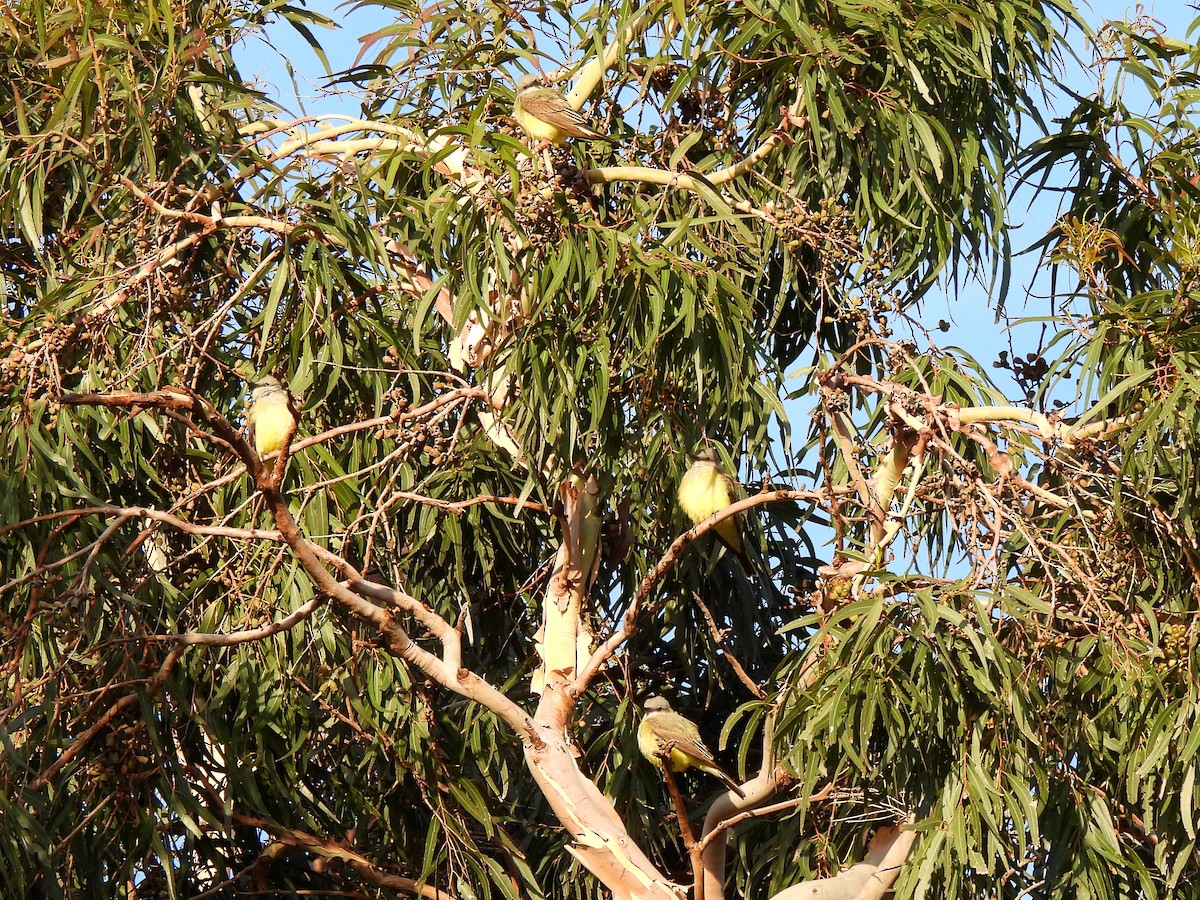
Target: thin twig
x,y
719,640
77,746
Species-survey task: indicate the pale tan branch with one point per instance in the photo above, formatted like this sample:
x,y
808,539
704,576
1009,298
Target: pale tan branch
x,y
601,842
1101,429
402,139
209,223
923,420
592,74
894,522
447,670
869,879
771,778
696,181
646,175
260,130
971,415
844,440
563,639
244,534
1047,428
458,507
752,159
760,811
294,618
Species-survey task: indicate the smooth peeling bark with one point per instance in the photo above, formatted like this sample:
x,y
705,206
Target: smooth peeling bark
x,y
758,791
563,640
602,844
867,880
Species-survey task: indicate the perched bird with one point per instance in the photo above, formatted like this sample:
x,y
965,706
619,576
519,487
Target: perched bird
x,y
546,116
270,416
706,488
662,727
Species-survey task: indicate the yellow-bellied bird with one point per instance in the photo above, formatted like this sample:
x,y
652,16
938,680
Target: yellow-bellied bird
x,y
663,728
270,416
706,488
546,115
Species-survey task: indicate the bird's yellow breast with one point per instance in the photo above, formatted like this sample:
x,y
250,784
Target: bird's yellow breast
x,y
272,419
702,492
680,760
648,743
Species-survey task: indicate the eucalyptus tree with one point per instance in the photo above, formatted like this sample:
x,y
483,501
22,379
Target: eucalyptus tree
x,y
405,654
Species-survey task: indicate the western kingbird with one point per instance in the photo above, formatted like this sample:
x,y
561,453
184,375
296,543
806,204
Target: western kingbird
x,y
270,416
706,488
546,116
662,727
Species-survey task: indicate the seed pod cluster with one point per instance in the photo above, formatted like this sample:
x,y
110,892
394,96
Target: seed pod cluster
x,y
1175,641
30,359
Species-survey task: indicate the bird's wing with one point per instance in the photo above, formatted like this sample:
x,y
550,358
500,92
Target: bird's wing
x,y
733,534
695,748
733,487
704,760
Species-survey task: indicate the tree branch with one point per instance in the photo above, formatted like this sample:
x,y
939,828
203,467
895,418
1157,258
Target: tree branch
x,y
332,850
698,182
868,880
153,685
446,670
771,778
630,621
759,811
719,639
592,74
231,639
563,638
685,827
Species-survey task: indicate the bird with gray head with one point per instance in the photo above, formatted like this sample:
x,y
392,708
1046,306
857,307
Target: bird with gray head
x,y
269,418
665,733
545,114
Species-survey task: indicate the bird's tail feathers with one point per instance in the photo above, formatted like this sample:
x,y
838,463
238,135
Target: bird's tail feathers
x,y
739,554
591,134
727,778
